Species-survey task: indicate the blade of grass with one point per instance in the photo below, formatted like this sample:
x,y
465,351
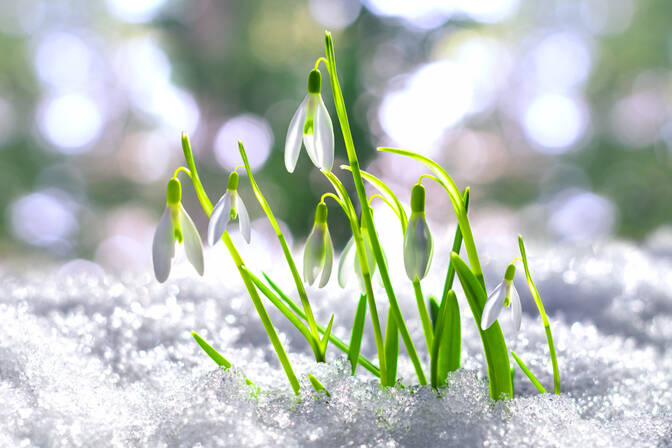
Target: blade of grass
x,y
211,352
282,308
542,313
438,377
433,307
319,356
391,347
317,385
364,362
357,332
529,373
450,349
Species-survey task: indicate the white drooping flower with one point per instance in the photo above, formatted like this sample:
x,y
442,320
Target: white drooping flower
x,y
175,225
318,255
230,206
504,295
418,242
312,125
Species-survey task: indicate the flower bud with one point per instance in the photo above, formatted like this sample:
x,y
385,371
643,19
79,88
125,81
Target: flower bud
x,y
318,254
418,242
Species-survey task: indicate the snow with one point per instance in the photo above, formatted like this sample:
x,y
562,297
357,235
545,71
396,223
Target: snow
x,y
95,359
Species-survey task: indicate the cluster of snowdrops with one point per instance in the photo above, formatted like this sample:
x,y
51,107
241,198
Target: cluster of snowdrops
x,y
312,128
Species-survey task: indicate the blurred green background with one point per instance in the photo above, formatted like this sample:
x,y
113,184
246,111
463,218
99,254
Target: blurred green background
x,y
557,113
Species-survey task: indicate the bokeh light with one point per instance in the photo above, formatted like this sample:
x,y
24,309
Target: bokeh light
x,y
71,122
255,133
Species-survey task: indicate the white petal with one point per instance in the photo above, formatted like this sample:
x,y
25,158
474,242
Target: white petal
x,y
516,308
310,140
493,306
192,241
163,247
324,137
346,264
328,261
294,135
219,218
313,255
418,247
243,220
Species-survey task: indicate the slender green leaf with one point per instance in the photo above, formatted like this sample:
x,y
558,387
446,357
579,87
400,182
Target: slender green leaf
x,y
494,345
450,351
391,347
363,361
283,309
325,338
433,307
211,352
317,385
542,313
529,373
385,191
287,252
357,332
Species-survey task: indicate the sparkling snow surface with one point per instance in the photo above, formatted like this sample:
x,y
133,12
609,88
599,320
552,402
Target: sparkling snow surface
x,y
97,360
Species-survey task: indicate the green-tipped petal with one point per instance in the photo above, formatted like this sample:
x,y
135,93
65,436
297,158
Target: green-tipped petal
x,y
324,137
310,128
516,308
328,260
163,247
314,254
493,306
294,136
192,241
418,247
243,220
219,218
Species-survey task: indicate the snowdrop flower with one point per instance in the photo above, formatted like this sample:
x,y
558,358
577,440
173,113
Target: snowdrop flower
x,y
504,294
319,252
312,124
175,225
349,262
418,243
230,206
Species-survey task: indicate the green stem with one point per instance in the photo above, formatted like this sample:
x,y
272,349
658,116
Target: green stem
x,y
457,243
237,259
319,355
544,317
349,210
424,315
367,215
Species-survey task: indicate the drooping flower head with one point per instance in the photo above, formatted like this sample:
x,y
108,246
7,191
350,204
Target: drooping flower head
x,y
504,295
318,255
175,225
312,125
229,207
418,242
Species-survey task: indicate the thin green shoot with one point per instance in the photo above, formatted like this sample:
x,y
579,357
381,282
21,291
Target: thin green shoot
x,y
319,356
363,361
317,385
542,313
529,373
357,332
